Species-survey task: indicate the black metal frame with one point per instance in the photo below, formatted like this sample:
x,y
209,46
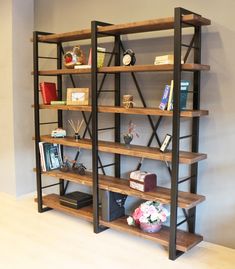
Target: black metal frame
x,y
195,44
190,216
60,51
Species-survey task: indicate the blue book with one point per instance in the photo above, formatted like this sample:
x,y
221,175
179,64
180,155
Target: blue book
x,y
164,101
184,87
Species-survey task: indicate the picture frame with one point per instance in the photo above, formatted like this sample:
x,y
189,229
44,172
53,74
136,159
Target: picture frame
x,y
78,96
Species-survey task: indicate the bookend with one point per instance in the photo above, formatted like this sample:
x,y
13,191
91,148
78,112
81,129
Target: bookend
x,y
112,205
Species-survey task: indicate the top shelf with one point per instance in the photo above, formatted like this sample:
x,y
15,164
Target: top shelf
x,y
127,28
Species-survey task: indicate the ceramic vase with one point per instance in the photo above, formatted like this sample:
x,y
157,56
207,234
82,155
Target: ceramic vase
x,y
150,227
127,139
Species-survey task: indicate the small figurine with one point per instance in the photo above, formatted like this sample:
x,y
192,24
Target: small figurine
x,y
75,57
65,165
79,168
58,132
127,101
68,165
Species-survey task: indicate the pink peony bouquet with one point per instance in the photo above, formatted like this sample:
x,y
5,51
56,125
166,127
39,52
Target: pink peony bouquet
x,y
150,212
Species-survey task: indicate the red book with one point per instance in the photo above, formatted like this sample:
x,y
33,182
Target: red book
x,y
48,90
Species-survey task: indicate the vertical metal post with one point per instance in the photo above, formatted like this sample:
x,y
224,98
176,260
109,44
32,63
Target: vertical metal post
x,y
195,125
36,120
117,103
94,127
60,113
176,135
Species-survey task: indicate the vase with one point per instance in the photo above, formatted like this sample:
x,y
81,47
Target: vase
x,y
127,139
77,136
150,227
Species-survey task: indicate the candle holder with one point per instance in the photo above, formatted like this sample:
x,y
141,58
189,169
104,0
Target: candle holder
x,y
127,101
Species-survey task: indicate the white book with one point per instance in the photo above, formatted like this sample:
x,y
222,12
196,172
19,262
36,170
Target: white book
x,y
42,158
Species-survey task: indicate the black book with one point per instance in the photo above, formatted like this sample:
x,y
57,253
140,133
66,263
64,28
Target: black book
x,y
76,199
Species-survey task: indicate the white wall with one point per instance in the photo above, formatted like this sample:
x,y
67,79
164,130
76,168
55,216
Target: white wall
x,y
216,220
16,114
23,23
7,160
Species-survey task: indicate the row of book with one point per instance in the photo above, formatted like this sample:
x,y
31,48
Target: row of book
x,y
50,155
167,98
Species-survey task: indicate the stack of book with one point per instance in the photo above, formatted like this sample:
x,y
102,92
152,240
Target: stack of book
x,y
167,98
164,59
50,155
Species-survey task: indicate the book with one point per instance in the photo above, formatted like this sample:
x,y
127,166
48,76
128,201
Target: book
x,y
164,59
50,156
76,199
42,159
100,57
170,99
58,102
184,87
164,101
48,90
82,66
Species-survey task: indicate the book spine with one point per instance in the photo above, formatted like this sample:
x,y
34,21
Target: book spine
x,y
165,97
184,86
42,159
170,99
42,89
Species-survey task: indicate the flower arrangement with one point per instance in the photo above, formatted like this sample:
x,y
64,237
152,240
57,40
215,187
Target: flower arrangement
x,y
131,129
148,214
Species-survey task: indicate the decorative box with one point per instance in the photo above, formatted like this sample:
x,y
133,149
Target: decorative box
x,y
76,199
142,181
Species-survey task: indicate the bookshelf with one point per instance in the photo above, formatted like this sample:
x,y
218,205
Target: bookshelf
x,y
176,240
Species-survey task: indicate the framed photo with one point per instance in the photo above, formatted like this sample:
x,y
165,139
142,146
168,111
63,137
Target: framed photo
x,y
78,96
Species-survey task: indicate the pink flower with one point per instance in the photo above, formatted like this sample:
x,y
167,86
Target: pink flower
x,y
163,217
137,214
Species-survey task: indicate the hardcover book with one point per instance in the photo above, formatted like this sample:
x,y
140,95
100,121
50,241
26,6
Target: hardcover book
x,y
170,99
50,155
164,101
48,90
164,59
76,199
100,57
184,87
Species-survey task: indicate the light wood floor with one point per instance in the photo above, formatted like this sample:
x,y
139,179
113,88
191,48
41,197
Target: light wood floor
x,y
29,240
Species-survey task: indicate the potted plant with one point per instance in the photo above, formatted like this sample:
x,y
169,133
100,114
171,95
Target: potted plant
x,y
149,216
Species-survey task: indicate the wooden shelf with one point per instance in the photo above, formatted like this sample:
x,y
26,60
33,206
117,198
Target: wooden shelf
x,y
64,72
184,241
127,28
152,68
125,69
186,200
52,201
134,150
133,111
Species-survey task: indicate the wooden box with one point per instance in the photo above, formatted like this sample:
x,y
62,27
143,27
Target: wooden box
x,y
142,181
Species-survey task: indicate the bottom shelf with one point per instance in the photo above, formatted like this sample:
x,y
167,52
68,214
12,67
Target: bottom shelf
x,y
185,240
